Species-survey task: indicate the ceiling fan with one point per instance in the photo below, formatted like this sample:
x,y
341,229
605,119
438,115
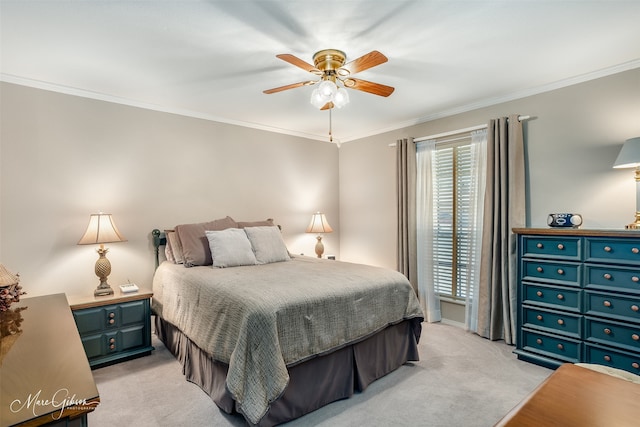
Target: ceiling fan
x,y
335,76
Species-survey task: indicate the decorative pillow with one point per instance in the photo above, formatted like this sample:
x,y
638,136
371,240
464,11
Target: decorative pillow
x,y
230,248
195,246
265,223
173,248
267,244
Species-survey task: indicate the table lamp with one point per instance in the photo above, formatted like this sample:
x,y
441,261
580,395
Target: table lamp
x,y
629,157
319,224
101,230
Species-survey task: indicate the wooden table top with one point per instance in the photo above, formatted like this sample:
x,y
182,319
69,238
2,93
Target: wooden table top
x,y
580,397
44,372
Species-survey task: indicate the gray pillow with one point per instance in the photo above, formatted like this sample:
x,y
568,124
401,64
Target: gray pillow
x,y
230,248
195,248
267,244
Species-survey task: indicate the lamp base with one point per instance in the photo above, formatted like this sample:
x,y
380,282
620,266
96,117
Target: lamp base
x,y
319,247
634,225
103,289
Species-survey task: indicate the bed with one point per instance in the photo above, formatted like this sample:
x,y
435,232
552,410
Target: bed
x,y
278,336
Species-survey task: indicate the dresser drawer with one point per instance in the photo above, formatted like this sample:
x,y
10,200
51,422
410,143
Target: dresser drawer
x,y
613,333
612,250
564,349
553,297
624,279
568,248
613,306
552,321
613,358
561,273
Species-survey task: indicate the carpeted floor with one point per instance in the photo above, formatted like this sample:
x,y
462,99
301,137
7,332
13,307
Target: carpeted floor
x,y
462,380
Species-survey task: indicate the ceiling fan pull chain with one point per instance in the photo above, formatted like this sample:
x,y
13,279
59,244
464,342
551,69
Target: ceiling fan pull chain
x,y
330,132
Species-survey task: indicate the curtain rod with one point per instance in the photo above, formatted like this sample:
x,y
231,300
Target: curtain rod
x,y
456,132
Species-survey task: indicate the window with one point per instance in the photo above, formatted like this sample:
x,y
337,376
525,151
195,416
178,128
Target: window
x,y
452,220
449,201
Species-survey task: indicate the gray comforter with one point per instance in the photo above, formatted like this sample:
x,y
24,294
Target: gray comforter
x,y
260,319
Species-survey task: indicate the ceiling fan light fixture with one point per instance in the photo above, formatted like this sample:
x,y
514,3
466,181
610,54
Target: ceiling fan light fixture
x,y
341,98
327,89
317,100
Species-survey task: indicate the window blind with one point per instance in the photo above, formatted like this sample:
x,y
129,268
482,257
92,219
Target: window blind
x,y
453,180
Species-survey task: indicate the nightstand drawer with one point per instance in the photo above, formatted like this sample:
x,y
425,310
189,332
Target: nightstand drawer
x,y
613,358
552,321
559,273
611,250
556,347
613,333
620,307
551,247
550,296
623,279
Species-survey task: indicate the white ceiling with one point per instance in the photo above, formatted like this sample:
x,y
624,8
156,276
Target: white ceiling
x,y
212,59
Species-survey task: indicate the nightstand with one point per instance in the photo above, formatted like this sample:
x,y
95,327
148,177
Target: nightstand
x,y
113,328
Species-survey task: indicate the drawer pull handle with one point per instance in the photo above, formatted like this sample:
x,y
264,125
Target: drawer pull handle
x,y
112,340
560,347
539,246
635,365
560,322
607,358
112,347
635,337
607,248
112,315
607,276
635,279
607,303
607,331
560,297
539,341
560,246
539,293
560,271
635,250
111,321
634,308
539,317
539,269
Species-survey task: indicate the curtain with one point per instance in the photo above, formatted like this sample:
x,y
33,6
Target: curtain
x,y
406,208
424,230
476,199
504,208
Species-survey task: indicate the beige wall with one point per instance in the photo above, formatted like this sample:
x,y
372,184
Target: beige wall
x,y
572,141
63,157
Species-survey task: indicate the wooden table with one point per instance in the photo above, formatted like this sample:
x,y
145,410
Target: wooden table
x,y
44,373
580,397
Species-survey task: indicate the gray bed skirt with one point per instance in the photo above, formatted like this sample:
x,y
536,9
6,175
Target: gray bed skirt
x,y
313,383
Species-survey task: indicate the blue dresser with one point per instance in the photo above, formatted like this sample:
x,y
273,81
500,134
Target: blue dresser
x,y
579,297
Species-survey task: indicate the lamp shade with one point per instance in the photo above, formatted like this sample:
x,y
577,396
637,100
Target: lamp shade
x,y
319,224
629,155
101,229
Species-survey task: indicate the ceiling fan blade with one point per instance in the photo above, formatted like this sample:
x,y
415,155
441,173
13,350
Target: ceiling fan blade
x,y
365,62
329,105
294,60
291,86
370,87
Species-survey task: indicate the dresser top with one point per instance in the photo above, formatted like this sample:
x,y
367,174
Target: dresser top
x,y
578,232
43,366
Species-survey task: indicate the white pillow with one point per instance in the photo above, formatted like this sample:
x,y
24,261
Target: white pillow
x,y
267,244
230,248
